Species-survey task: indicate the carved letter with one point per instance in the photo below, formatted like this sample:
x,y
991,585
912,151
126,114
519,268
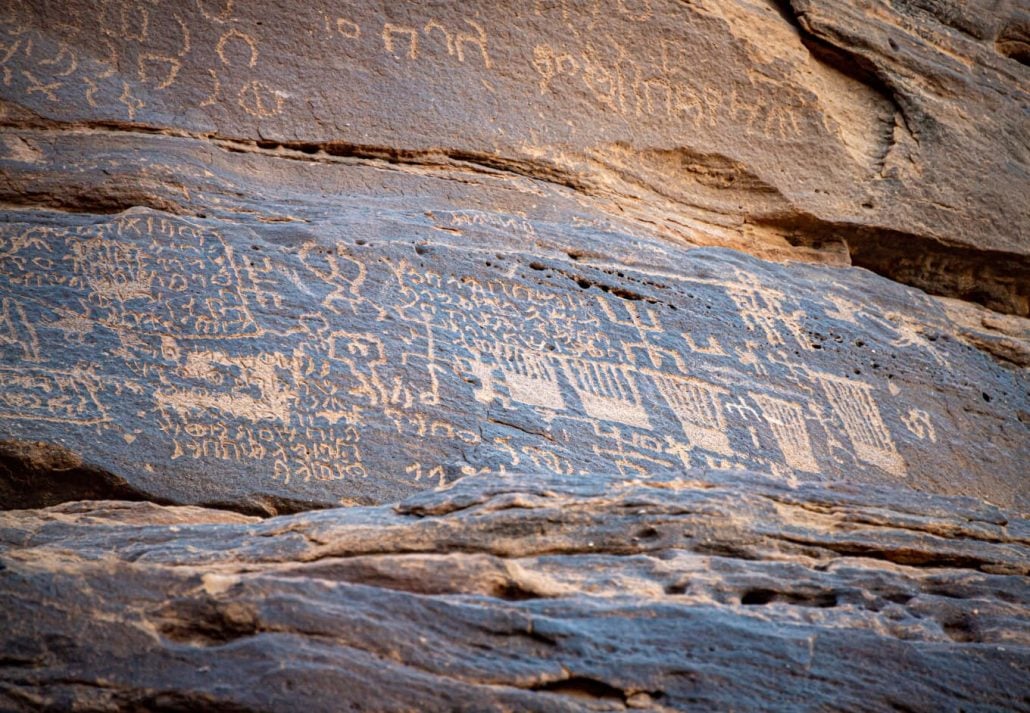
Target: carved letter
x,y
389,29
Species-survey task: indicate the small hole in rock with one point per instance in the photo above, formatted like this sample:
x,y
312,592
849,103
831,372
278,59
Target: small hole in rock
x,y
757,597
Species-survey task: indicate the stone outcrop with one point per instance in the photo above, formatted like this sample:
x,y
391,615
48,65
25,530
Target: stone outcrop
x,y
524,593
690,336
238,271
893,135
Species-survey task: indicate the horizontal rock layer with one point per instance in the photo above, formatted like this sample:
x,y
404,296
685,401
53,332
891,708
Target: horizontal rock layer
x,y
271,352
398,332
262,258
891,135
545,593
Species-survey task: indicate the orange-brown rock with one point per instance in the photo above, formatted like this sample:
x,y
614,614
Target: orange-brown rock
x,y
679,329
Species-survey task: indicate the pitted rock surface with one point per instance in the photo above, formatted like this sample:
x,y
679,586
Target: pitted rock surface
x,y
556,593
273,258
267,365
635,354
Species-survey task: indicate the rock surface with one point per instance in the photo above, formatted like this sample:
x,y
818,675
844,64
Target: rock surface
x,y
764,264
248,249
276,366
891,134
554,593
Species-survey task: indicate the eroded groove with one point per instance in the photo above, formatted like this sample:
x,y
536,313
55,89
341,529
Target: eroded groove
x,y
997,280
36,475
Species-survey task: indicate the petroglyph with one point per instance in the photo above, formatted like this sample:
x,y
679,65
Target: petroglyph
x,y
159,69
478,39
634,87
853,403
231,43
390,30
260,99
348,28
448,38
761,308
699,409
532,379
43,394
919,423
17,331
377,347
787,421
406,41
607,391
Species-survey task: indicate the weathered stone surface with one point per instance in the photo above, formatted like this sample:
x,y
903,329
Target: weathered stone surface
x,y
259,258
556,593
345,357
272,258
892,134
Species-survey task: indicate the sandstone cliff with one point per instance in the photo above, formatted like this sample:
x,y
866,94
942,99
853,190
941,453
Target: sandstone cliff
x,y
642,353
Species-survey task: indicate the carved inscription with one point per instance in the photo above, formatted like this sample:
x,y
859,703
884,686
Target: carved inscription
x,y
145,57
308,365
624,83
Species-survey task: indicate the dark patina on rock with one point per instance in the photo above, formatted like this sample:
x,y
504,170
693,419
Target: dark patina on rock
x,y
893,137
274,366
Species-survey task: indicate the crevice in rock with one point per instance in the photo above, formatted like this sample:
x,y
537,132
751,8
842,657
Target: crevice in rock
x,y
107,199
1014,41
583,687
266,505
909,557
849,64
997,280
177,702
36,475
510,423
762,596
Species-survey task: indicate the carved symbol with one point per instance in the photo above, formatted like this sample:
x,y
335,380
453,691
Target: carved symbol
x,y
236,35
479,39
607,391
698,408
787,421
919,423
853,402
36,394
16,329
132,103
347,28
221,16
37,87
258,99
390,29
448,40
171,67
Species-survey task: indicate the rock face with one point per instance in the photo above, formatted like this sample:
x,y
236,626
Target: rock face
x,y
519,593
271,365
228,279
894,134
764,266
